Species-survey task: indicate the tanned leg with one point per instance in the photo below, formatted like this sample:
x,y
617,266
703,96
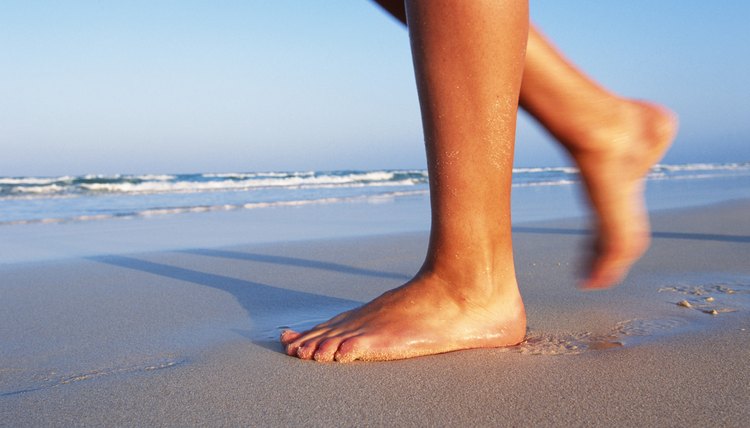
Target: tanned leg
x,y
613,140
468,59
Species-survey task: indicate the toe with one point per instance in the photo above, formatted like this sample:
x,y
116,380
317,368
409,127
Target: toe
x,y
348,350
327,349
598,281
605,274
291,348
309,335
307,350
288,336
611,262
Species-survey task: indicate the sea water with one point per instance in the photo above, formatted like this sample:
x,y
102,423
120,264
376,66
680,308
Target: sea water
x,y
28,200
73,216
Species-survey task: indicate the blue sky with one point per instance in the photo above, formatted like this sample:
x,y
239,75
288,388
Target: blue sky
x,y
195,86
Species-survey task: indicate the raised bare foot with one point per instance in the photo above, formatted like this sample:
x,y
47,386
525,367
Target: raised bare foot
x,y
425,316
613,160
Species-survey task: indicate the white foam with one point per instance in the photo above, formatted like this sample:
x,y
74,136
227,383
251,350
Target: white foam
x,y
275,185
154,212
154,177
561,169
50,188
546,183
245,175
378,178
702,167
100,176
689,176
239,175
15,181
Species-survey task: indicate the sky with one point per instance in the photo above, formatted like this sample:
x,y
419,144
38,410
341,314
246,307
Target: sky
x,y
92,87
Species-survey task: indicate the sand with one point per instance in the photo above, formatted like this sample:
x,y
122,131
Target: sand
x,y
188,337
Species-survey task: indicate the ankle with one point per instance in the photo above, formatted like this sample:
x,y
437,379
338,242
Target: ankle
x,y
604,128
620,122
480,278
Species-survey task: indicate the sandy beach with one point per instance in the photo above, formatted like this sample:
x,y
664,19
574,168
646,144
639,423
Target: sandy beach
x,y
184,183
189,336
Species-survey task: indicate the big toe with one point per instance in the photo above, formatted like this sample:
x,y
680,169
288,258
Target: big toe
x,y
607,270
602,277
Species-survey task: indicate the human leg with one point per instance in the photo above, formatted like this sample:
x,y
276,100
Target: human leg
x,y
468,57
613,141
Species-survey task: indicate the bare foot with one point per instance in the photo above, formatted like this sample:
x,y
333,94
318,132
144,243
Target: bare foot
x,y
425,316
613,161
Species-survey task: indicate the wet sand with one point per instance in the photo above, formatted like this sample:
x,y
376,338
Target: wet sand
x,y
189,337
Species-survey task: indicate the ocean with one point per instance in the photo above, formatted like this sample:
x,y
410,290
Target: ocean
x,y
33,200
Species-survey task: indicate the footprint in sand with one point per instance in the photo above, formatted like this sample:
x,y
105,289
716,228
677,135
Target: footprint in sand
x,y
712,299
538,343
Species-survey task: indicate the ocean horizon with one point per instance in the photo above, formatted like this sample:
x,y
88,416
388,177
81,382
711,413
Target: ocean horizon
x,y
83,198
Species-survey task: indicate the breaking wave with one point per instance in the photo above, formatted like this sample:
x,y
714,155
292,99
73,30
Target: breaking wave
x,y
28,200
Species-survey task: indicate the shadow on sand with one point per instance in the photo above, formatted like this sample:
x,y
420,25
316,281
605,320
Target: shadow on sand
x,y
267,306
655,235
294,261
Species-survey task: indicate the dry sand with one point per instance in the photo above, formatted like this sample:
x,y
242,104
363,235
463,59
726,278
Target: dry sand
x,y
189,337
